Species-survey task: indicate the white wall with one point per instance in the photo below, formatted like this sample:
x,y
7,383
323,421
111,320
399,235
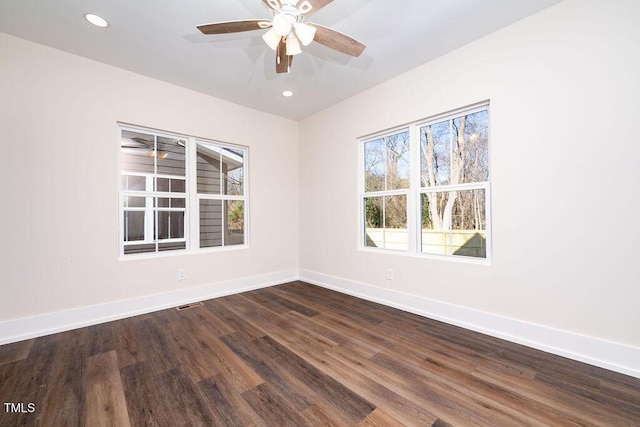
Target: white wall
x,y
59,184
564,87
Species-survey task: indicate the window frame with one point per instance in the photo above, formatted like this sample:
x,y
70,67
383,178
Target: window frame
x,y
415,190
190,195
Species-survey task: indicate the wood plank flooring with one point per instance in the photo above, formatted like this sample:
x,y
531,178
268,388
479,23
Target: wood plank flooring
x,y
300,355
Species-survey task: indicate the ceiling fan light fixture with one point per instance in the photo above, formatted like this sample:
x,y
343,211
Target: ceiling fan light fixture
x,y
159,154
293,46
305,33
281,24
272,39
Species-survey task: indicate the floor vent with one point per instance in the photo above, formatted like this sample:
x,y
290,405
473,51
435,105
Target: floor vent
x,y
188,306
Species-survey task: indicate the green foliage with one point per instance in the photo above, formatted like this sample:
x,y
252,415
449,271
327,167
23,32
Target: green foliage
x,y
426,214
373,213
236,215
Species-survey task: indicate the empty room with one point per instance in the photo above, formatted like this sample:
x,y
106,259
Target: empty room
x,y
320,212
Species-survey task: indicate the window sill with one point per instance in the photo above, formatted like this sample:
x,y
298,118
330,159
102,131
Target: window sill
x,y
447,258
184,252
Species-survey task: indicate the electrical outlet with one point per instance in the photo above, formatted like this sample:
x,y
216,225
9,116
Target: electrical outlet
x,y
389,274
182,274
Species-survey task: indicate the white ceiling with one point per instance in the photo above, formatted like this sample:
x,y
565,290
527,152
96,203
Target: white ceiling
x,y
158,38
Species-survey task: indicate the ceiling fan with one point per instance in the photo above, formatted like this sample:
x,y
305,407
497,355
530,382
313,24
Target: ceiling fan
x,y
288,29
146,146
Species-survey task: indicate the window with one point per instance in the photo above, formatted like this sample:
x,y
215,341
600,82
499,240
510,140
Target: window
x,y
180,193
425,188
386,181
220,195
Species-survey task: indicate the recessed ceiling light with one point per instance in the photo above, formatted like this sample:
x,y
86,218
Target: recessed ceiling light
x,y
96,20
287,93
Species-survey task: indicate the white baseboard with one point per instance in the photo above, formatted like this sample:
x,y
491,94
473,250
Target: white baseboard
x,y
605,354
609,355
50,323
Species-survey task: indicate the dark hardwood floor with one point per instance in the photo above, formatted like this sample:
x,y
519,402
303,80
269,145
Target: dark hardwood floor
x,y
296,355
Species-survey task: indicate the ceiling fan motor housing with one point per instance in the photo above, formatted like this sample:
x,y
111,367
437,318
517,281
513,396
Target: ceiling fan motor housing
x,y
293,11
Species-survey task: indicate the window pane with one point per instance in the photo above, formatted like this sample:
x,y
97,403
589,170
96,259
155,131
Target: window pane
x,y
134,202
374,158
374,232
177,185
235,223
170,155
176,225
171,246
454,223
386,222
397,169
134,182
208,168
162,184
210,223
166,202
177,202
471,133
233,171
436,237
435,154
136,152
170,185
138,249
468,224
133,226
170,225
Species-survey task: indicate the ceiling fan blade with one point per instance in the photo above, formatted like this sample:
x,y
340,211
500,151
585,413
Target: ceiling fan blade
x,y
234,26
125,144
283,61
317,5
338,41
138,141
